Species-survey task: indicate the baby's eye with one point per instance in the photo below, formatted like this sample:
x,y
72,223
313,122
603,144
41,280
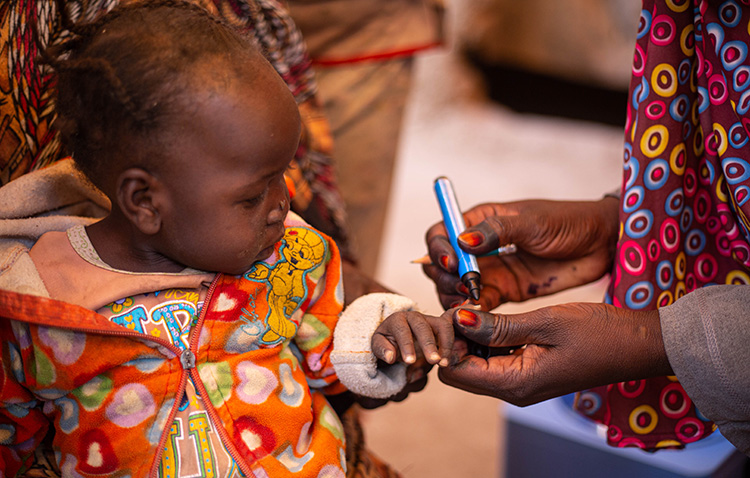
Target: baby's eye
x,y
254,201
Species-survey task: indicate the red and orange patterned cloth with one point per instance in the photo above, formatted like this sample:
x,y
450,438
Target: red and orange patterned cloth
x,y
684,205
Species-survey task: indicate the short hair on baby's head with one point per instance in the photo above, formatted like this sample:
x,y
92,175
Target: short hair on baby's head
x,y
122,78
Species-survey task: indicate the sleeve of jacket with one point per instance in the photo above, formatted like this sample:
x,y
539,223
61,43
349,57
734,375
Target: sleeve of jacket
x,y
22,423
706,335
321,314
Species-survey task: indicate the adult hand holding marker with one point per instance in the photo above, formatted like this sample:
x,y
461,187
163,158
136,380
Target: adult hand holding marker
x,y
468,269
453,222
560,244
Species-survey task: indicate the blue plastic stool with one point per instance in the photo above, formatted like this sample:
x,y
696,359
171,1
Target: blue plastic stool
x,y
549,439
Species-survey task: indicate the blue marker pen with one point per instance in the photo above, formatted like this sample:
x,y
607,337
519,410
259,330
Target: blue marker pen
x,y
468,269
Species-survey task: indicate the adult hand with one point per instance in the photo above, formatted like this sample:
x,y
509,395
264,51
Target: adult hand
x,y
568,348
561,244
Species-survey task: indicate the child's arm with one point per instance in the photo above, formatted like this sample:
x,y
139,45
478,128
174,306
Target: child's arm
x,y
394,342
359,369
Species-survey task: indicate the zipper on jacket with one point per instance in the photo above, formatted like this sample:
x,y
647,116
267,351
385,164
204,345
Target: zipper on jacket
x,y
188,363
187,359
216,421
201,389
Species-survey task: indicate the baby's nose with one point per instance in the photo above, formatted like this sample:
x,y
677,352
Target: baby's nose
x,y
278,214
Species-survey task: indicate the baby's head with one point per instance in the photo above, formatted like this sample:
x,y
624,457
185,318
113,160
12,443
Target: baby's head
x,y
186,127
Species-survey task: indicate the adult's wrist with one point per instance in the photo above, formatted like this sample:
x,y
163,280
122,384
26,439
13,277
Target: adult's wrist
x,y
640,345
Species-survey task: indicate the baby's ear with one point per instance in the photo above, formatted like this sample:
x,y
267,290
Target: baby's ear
x,y
138,197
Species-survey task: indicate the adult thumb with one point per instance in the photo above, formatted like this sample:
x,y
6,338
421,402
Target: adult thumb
x,y
485,328
494,232
479,239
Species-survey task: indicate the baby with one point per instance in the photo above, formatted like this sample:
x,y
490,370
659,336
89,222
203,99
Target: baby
x,y
190,331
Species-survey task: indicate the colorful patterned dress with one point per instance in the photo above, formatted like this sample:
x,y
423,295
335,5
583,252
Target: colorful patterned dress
x,y
684,206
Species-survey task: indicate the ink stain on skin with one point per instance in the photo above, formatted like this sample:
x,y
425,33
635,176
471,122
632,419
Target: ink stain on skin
x,y
535,288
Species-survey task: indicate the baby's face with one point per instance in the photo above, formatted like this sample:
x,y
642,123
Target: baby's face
x,y
227,197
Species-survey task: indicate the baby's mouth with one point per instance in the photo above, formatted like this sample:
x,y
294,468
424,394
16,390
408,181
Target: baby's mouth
x,y
266,252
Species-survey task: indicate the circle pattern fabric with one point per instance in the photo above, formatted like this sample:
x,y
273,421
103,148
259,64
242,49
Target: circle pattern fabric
x,y
685,193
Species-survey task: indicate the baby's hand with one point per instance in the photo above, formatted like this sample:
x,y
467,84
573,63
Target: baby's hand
x,y
395,336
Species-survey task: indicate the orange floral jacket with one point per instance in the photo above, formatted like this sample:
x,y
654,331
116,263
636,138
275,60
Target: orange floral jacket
x,y
259,351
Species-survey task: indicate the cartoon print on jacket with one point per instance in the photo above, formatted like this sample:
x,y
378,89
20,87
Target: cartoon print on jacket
x,y
302,251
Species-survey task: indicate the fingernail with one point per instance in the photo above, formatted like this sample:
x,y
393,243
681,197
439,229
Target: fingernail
x,y
444,362
434,357
471,238
462,289
389,356
444,261
409,358
455,304
467,318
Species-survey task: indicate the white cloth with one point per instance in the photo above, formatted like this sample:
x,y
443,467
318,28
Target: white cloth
x,y
352,356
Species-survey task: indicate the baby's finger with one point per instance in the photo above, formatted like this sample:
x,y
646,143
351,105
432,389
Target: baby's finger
x,y
399,334
383,349
417,370
443,326
422,329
